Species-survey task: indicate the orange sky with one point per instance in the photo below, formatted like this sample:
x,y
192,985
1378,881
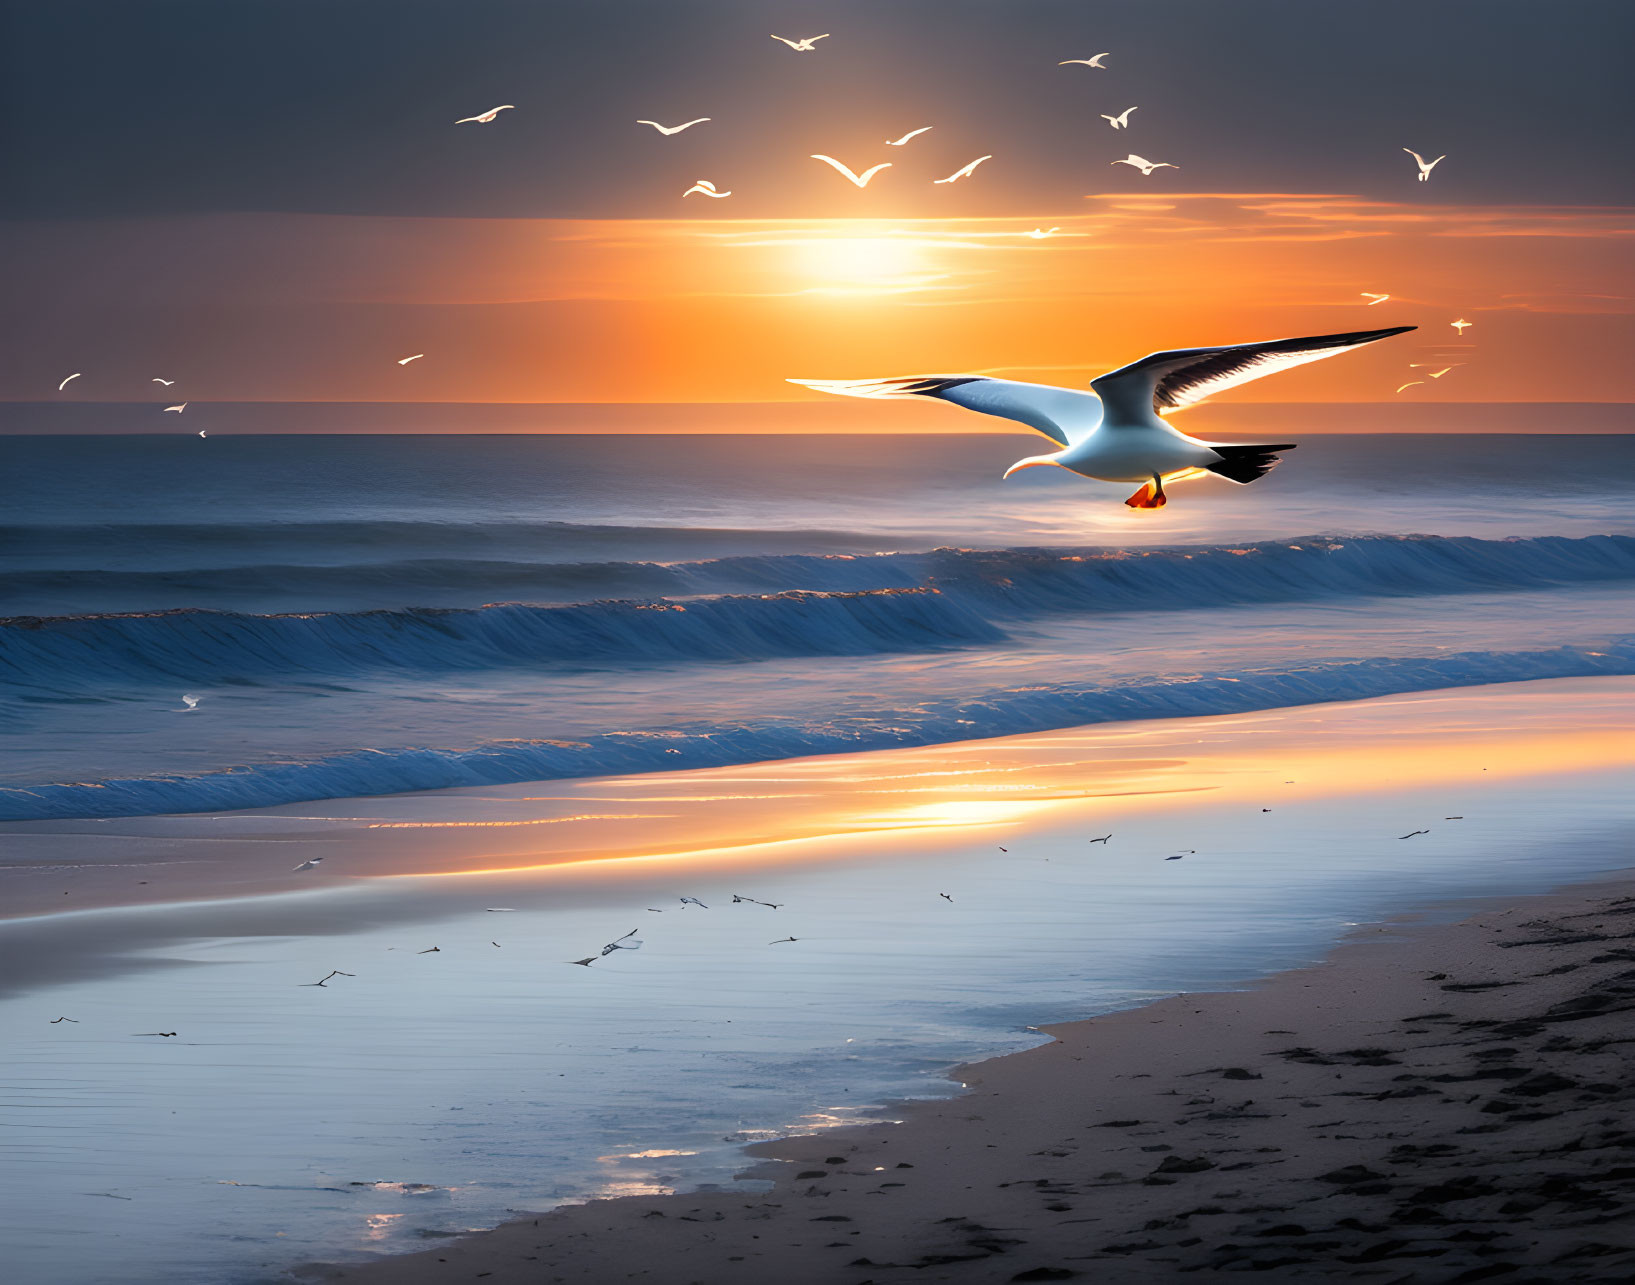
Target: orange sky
x,y
317,308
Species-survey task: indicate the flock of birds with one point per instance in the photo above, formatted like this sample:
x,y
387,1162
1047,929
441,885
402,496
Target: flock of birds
x,y
1168,454
632,939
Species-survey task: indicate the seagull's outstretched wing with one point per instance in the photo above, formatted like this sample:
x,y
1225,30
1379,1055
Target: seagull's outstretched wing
x,y
1164,381
1062,414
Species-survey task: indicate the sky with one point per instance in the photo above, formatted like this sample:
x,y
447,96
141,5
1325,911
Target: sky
x,y
271,201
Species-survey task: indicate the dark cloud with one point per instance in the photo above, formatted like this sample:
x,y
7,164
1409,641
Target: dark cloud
x,y
126,107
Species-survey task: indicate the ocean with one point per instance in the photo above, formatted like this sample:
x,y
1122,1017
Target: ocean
x,y
369,615
524,694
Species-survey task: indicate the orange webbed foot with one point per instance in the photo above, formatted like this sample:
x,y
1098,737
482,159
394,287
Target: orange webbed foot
x,y
1148,497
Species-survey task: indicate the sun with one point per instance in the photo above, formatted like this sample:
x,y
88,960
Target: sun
x,y
859,262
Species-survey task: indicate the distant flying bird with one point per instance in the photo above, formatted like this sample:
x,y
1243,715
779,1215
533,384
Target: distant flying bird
x,y
1143,164
781,940
1094,61
486,118
705,188
860,180
404,361
1410,384
313,864
499,910
770,905
334,972
1121,121
1411,834
67,381
177,409
805,44
945,896
623,943
1437,374
1114,433
165,1035
430,950
1425,167
1103,839
201,432
673,129
74,1020
913,133
1461,326
693,901
1373,298
964,171
191,701
166,382
1039,234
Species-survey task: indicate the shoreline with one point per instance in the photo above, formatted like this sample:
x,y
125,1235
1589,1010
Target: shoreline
x,y
1448,1098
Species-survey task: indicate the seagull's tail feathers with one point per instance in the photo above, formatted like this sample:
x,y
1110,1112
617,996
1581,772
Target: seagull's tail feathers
x,y
1245,464
916,386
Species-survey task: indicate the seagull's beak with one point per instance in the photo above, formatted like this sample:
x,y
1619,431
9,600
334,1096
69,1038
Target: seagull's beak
x,y
1033,461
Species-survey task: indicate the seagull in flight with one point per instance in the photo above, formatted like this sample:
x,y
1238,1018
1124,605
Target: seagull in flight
x,y
1040,234
1461,326
1410,384
1093,61
486,118
667,130
621,943
68,381
913,133
806,45
705,188
74,1020
1114,432
1143,164
334,972
1432,374
166,382
1425,167
177,409
1373,298
1103,839
770,905
404,361
191,701
964,171
313,864
202,433
860,180
1121,121
693,901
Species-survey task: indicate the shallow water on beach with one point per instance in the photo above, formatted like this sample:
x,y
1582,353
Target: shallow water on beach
x,y
434,1092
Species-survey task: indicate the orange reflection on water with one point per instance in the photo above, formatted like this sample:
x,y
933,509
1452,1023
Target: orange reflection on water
x,y
975,791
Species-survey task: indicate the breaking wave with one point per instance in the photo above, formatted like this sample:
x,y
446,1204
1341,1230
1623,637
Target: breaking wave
x,y
999,713
763,607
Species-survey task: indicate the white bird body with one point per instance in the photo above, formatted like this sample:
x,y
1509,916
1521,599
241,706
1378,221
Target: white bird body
x,y
1425,167
673,129
1461,326
805,45
913,133
486,118
404,361
68,381
964,171
1095,60
859,180
1121,121
1041,234
1115,433
705,188
1373,298
201,433
166,382
1143,164
191,701
177,409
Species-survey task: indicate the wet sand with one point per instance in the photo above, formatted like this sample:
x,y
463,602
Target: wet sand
x,y
1435,1102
